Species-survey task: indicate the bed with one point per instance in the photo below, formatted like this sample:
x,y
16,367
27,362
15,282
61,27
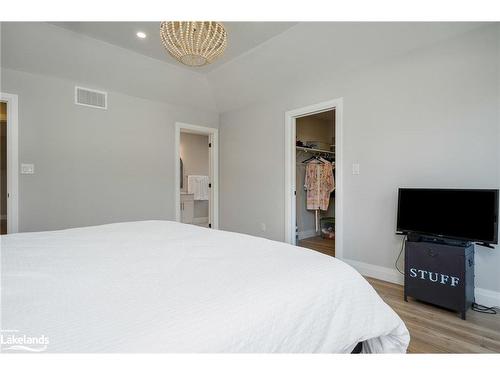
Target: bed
x,y
162,286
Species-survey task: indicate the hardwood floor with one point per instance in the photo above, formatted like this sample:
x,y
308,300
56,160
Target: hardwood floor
x,y
435,330
319,244
432,329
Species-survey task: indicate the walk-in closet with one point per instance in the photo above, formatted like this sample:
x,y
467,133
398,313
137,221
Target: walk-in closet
x,y
315,185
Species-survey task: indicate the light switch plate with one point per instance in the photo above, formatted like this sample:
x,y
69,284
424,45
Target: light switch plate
x,y
355,168
27,168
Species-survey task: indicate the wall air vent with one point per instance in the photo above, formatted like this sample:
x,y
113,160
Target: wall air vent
x,y
91,98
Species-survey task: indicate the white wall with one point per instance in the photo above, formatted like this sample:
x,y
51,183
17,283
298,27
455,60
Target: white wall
x,y
94,166
312,54
424,118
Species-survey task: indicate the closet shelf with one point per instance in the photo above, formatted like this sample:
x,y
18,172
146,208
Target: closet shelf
x,y
314,150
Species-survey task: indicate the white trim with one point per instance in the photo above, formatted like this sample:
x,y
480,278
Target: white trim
x,y
213,136
484,297
377,272
307,234
290,219
12,161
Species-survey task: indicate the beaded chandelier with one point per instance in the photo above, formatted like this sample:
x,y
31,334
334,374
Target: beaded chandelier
x,y
193,43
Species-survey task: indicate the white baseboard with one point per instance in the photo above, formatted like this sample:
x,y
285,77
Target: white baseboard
x,y
307,234
487,297
200,220
484,297
377,272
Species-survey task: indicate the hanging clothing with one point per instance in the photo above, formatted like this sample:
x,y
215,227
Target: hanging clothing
x,y
319,184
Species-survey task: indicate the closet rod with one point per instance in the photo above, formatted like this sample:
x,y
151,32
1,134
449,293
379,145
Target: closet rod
x,y
314,150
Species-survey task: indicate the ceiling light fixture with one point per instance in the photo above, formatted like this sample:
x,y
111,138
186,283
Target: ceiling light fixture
x,y
194,43
141,35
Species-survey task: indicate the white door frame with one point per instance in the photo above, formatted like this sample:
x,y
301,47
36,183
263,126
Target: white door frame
x,y
213,138
290,169
12,161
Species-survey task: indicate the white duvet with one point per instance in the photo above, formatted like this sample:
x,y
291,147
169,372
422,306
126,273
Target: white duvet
x,y
161,286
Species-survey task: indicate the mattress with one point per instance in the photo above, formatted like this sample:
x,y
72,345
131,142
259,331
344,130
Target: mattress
x,y
162,286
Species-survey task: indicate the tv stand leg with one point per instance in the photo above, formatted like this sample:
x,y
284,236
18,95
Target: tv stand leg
x,y
462,315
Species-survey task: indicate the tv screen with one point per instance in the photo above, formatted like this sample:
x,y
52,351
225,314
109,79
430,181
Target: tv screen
x,y
469,215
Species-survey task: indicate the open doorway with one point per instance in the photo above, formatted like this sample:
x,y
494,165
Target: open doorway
x,y
196,175
315,181
313,177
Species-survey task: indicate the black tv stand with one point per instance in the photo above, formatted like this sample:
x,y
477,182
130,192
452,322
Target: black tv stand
x,y
440,272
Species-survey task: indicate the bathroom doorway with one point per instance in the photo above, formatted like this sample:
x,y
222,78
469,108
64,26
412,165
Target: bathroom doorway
x,y
196,175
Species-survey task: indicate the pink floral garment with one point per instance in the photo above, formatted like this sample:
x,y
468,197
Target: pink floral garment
x,y
319,183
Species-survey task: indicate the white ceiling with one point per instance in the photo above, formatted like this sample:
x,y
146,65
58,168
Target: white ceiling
x,y
48,50
300,59
242,37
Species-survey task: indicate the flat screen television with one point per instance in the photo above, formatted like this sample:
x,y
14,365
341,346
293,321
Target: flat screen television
x,y
463,214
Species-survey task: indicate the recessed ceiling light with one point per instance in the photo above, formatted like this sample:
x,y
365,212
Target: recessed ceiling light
x,y
141,35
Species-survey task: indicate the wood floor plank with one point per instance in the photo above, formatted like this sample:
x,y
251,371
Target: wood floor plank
x,y
432,329
317,243
436,330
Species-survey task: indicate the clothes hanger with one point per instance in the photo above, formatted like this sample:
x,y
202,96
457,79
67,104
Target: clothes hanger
x,y
313,157
324,160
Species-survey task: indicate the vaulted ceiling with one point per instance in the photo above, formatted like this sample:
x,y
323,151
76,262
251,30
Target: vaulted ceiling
x,y
260,57
242,37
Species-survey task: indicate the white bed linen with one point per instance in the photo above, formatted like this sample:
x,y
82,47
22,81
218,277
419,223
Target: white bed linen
x,y
161,286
